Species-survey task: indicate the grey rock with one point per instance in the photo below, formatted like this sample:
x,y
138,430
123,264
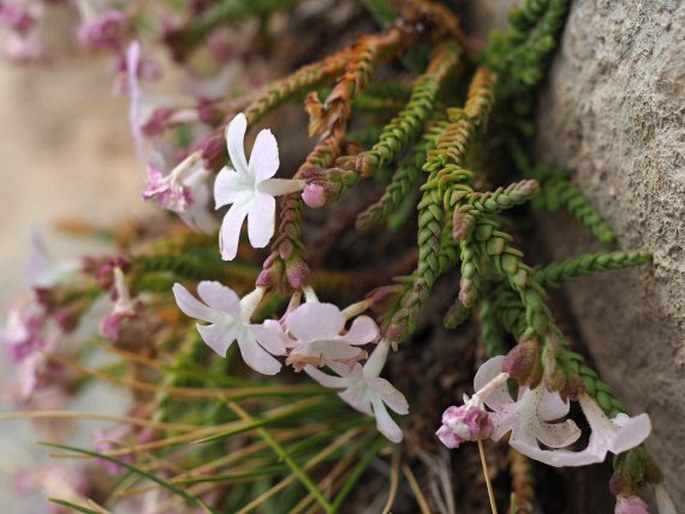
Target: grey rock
x,y
613,112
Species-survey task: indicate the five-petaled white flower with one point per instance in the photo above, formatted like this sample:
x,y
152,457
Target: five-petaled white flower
x,y
365,391
229,319
316,335
250,189
532,420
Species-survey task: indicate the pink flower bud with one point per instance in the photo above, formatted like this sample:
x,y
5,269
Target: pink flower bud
x,y
314,196
16,18
470,422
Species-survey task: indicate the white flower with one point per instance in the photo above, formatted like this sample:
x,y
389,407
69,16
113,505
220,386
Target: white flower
x,y
316,335
365,391
532,420
250,188
229,319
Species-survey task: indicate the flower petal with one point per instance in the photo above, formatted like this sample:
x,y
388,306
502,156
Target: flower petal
x,y
255,356
363,330
390,395
261,220
217,337
229,235
315,321
384,422
552,407
264,160
220,297
271,336
632,432
556,435
325,379
235,142
190,305
232,187
357,397
488,371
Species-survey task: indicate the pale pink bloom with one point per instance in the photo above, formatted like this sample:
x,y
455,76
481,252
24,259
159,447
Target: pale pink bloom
x,y
185,191
229,321
105,31
249,188
630,505
26,50
316,335
23,333
469,422
365,391
533,420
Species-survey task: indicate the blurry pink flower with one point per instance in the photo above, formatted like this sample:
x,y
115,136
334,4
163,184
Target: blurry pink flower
x,y
112,439
229,321
22,334
249,188
316,335
124,308
185,191
469,422
531,420
106,31
365,391
16,18
630,505
26,50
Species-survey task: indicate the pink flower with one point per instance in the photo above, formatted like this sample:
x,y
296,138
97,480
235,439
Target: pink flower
x,y
316,335
22,334
250,189
532,419
104,32
229,321
124,308
630,505
16,18
185,191
107,440
470,422
365,391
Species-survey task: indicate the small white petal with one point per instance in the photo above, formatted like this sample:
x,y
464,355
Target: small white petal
x,y
384,422
218,337
219,297
486,373
315,321
357,397
264,160
229,235
552,407
390,395
190,305
232,187
271,336
325,379
261,220
632,432
235,142
255,356
363,330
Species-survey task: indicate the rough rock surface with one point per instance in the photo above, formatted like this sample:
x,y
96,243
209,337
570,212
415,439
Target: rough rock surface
x,y
613,113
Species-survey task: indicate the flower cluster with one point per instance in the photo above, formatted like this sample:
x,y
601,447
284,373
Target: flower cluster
x,y
535,422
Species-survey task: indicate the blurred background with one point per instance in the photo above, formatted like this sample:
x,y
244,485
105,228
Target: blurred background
x,y
65,154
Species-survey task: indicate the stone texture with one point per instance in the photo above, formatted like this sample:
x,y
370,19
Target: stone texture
x,y
613,113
